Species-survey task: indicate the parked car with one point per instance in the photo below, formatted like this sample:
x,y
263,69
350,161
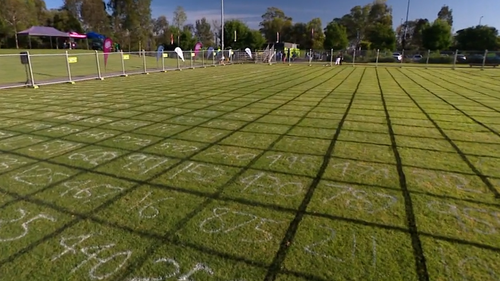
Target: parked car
x,y
417,57
397,56
461,58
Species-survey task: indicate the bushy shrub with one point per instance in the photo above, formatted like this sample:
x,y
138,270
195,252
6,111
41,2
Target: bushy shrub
x,y
438,60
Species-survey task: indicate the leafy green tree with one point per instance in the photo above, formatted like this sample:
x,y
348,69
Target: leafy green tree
x,y
254,40
446,14
274,21
204,32
381,37
17,15
480,37
437,36
335,36
316,35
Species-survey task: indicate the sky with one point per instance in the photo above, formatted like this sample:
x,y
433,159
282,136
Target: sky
x,y
466,13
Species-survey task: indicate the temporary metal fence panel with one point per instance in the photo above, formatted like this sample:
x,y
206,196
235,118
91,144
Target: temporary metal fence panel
x,y
18,70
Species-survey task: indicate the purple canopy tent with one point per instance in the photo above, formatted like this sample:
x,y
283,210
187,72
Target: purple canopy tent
x,y
43,31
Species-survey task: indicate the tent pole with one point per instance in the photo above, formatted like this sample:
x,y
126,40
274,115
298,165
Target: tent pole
x,y
29,39
51,46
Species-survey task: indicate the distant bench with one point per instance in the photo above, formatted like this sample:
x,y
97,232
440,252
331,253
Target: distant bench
x,y
494,65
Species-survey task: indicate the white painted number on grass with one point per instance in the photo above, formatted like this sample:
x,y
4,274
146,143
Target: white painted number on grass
x,y
89,190
142,164
63,130
176,271
71,117
95,136
94,156
148,210
199,172
232,154
469,219
178,147
5,134
6,162
94,256
290,161
24,224
360,169
132,140
55,147
219,223
359,199
39,176
320,248
19,142
271,185
449,179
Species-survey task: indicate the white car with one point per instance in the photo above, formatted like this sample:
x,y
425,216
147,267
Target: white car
x,y
397,56
417,57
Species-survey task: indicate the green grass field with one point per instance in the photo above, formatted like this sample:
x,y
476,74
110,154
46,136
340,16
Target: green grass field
x,y
253,172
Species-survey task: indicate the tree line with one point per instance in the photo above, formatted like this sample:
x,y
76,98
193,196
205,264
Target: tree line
x,y
130,23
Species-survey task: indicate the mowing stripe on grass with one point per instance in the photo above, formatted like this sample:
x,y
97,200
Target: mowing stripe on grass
x,y
454,106
469,82
220,190
418,252
464,96
280,256
107,203
483,178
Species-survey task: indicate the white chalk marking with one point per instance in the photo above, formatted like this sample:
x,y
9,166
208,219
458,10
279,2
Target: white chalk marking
x,y
149,206
357,196
249,218
94,156
200,172
96,136
63,129
143,164
232,154
6,162
71,117
55,147
85,190
259,183
38,176
24,225
463,214
178,147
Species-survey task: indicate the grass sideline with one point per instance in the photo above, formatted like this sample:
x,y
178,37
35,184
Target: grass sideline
x,y
305,174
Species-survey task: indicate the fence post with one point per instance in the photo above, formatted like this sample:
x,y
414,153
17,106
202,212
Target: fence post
x,y
289,59
484,59
455,59
144,62
203,58
427,61
123,65
376,59
331,57
178,63
353,57
69,68
402,58
192,62
32,78
99,75
163,61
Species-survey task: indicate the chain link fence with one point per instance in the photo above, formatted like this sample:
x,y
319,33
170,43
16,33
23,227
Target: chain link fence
x,y
33,70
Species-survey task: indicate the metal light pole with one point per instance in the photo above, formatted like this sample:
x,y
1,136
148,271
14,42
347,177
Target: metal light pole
x,y
480,19
403,42
222,23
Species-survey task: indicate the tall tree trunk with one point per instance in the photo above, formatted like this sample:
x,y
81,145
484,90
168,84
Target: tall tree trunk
x,y
17,39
